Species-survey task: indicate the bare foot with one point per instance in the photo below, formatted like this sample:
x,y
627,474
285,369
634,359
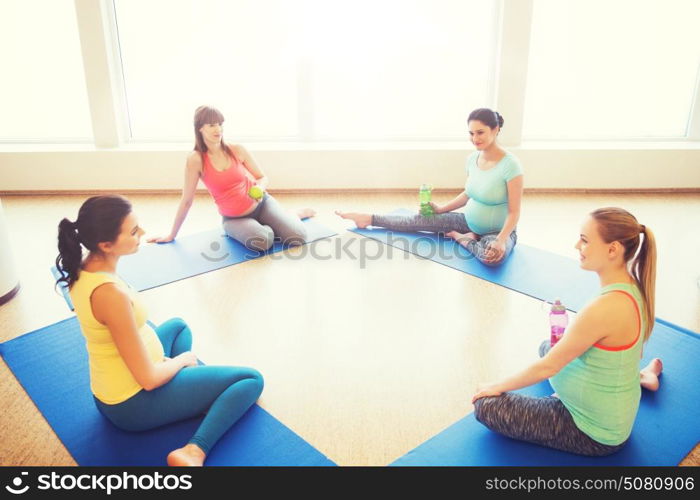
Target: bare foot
x,y
463,239
189,455
360,220
649,376
305,213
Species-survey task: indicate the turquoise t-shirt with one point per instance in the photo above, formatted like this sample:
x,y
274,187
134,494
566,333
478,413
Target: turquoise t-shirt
x,y
487,208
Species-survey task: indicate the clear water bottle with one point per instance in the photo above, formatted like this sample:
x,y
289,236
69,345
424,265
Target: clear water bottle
x,y
424,196
558,320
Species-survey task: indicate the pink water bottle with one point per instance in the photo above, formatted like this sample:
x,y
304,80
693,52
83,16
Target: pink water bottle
x,y
558,319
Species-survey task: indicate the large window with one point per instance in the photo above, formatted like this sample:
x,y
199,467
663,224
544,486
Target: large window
x,y
348,70
307,69
601,69
42,88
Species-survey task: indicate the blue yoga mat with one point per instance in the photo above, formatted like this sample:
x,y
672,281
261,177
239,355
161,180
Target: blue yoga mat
x,y
52,366
156,265
534,272
665,431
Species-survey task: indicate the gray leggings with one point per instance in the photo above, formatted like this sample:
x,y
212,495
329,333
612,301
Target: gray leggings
x,y
444,223
258,230
544,421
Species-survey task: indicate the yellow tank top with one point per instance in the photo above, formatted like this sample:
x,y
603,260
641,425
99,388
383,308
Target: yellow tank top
x,y
110,378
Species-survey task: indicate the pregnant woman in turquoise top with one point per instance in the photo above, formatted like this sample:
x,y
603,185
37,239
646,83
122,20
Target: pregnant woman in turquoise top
x,y
594,368
492,196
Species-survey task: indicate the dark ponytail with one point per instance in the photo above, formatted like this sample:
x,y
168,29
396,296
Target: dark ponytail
x,y
99,220
70,253
487,116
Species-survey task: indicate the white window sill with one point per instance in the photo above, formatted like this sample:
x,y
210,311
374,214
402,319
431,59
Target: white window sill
x,y
357,146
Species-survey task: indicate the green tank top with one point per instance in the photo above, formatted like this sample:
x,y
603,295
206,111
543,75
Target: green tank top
x,y
601,388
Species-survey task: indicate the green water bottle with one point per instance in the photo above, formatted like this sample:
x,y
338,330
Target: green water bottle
x,y
424,195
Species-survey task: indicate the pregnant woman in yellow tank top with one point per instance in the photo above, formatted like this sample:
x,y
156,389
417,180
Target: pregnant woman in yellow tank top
x,y
142,376
492,195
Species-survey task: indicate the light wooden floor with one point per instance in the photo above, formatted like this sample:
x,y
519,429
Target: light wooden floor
x,y
364,361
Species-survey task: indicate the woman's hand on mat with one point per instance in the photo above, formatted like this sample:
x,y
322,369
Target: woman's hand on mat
x,y
495,251
161,239
486,392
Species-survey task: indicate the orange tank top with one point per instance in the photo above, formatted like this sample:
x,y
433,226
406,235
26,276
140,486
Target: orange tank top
x,y
230,187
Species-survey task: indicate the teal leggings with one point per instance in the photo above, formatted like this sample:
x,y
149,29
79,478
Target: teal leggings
x,y
224,393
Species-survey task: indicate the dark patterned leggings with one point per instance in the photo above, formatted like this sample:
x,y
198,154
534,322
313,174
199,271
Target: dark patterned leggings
x,y
544,421
444,223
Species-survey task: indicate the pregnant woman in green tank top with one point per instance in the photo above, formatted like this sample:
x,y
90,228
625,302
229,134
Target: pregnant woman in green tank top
x,y
492,196
594,368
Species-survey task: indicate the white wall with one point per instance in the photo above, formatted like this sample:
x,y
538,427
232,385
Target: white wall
x,y
122,166
66,168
